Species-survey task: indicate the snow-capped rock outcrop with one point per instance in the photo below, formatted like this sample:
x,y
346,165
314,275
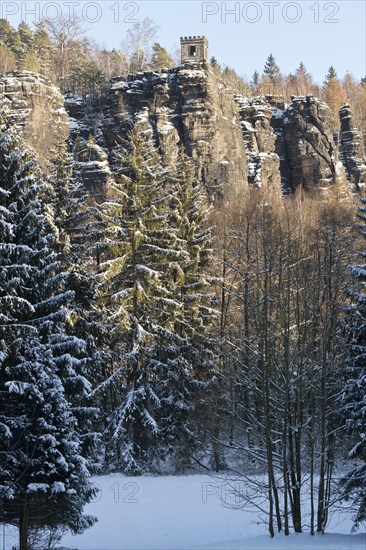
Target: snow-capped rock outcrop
x,y
307,126
304,142
235,142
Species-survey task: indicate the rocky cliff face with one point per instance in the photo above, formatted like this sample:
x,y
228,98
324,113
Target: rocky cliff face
x,y
309,158
260,142
185,107
236,143
91,164
351,149
288,146
37,109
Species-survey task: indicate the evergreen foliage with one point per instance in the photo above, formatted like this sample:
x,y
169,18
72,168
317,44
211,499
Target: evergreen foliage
x,y
160,58
255,79
188,374
271,69
354,406
154,286
76,229
108,319
330,74
43,477
140,307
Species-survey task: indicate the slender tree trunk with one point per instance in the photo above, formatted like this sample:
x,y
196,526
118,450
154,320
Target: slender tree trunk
x,y
275,495
321,491
271,476
23,528
267,372
329,474
295,489
286,428
270,498
298,437
285,482
286,345
312,444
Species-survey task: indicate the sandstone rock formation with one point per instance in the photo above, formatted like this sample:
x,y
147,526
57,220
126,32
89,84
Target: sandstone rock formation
x,y
351,148
260,140
234,141
37,109
279,145
304,143
91,164
309,143
185,107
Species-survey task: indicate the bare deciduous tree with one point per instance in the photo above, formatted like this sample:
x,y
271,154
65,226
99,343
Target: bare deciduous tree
x,y
137,46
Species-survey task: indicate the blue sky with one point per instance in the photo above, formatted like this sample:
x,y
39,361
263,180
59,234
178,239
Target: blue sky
x,y
240,34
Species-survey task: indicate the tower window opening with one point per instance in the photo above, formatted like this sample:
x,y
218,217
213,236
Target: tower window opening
x,y
194,49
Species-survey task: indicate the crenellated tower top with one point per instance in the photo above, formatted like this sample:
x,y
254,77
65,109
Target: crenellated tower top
x,y
194,48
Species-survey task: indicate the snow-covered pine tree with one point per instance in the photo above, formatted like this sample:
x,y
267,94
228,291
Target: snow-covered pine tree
x,y
187,358
354,397
72,208
43,477
137,250
72,213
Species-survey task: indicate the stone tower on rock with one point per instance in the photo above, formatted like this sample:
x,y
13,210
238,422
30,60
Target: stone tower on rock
x,y
194,49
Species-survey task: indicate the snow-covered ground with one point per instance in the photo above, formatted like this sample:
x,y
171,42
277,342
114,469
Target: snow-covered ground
x,y
181,512
189,512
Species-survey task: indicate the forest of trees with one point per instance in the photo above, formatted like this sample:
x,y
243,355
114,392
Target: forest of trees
x,y
62,52
169,334
283,315
155,331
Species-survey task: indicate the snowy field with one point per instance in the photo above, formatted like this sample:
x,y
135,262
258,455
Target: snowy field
x,y
167,513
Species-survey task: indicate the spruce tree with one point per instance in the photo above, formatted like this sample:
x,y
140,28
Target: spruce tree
x,y
27,57
354,403
334,95
43,477
330,74
215,66
156,290
255,79
303,80
72,213
138,304
44,52
188,365
301,71
7,32
271,69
